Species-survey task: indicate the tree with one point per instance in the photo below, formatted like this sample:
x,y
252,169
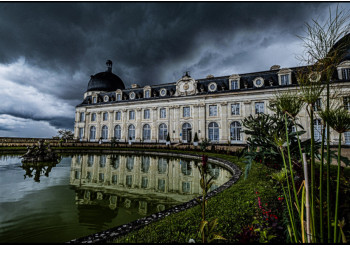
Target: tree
x,y
65,134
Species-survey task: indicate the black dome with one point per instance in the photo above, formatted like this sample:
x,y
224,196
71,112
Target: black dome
x,y
105,81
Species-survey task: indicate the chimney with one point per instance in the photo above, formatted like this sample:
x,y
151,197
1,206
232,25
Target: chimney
x,y
109,64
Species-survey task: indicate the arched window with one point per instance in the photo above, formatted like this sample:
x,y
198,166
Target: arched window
x,y
131,132
163,132
186,132
213,131
104,134
92,133
130,163
145,163
235,131
118,132
146,133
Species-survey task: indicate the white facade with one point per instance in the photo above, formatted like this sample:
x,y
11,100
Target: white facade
x,y
213,108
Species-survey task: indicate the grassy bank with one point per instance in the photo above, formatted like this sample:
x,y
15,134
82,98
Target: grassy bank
x,y
237,210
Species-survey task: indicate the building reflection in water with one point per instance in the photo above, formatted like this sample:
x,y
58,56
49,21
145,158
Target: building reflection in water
x,y
140,184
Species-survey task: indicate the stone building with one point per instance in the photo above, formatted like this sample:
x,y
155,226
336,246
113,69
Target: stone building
x,y
212,107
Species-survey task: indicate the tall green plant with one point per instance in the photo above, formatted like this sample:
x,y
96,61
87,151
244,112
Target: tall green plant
x,y
339,120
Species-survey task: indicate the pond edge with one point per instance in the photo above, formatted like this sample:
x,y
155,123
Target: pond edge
x,y
112,234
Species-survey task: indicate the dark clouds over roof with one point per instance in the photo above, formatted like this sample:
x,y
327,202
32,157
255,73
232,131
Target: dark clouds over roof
x,y
149,43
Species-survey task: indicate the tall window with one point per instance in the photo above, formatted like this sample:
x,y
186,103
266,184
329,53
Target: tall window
x,y
130,162
131,132
346,103
285,79
235,109
131,115
213,131
186,187
118,115
119,97
186,167
318,130
161,185
92,133
93,117
147,94
105,116
213,110
146,114
144,182
259,107
345,73
114,179
103,160
186,132
347,137
162,112
90,160
118,132
186,112
163,132
82,116
318,105
162,165
235,131
128,180
234,84
81,133
146,133
145,163
104,132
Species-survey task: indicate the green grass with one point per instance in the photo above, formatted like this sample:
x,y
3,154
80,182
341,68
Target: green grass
x,y
235,208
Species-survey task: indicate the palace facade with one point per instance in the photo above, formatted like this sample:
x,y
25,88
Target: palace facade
x,y
212,107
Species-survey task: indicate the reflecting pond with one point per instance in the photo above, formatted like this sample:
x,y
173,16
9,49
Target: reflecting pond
x,y
88,193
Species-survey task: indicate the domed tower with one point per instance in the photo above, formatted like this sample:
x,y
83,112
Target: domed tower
x,y
105,81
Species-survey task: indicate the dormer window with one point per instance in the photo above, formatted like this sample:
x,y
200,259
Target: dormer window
x,y
258,82
119,97
147,94
212,87
344,70
163,92
106,98
94,100
234,81
132,95
345,73
284,77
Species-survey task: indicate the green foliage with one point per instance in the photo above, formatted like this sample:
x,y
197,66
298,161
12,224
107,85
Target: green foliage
x,y
234,208
204,144
338,119
168,138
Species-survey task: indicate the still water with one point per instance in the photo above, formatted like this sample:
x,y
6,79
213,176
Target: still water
x,y
85,194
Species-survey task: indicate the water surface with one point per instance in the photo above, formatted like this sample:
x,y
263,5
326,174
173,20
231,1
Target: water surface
x,y
85,194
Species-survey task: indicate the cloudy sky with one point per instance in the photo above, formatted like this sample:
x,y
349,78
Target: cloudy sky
x,y
49,50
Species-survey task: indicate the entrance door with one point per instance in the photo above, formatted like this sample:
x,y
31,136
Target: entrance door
x,y
186,133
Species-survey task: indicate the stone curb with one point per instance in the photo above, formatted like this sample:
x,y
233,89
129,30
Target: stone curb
x,y
111,234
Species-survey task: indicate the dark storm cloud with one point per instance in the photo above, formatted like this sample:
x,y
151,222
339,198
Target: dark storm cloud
x,y
149,43
141,38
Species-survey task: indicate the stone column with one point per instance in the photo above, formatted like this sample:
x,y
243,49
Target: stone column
x,y
202,122
98,124
196,120
224,137
86,128
110,124
138,125
177,126
124,126
154,130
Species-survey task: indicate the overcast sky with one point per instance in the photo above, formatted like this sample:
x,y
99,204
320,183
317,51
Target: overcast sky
x,y
49,50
